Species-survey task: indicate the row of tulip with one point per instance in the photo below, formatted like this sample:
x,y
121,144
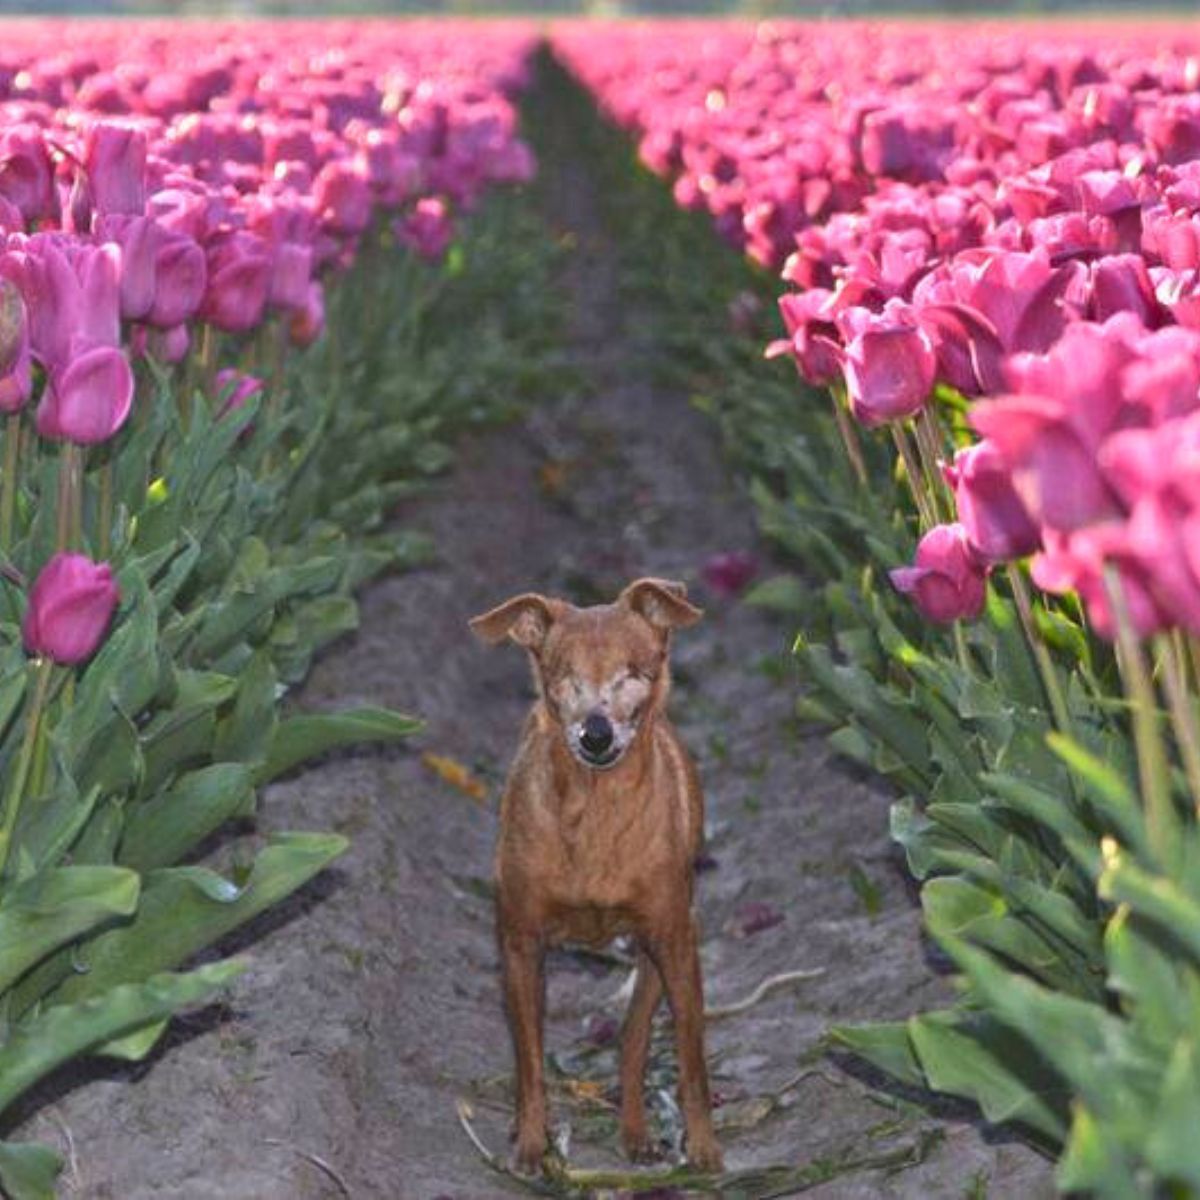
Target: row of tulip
x,y
993,235
221,261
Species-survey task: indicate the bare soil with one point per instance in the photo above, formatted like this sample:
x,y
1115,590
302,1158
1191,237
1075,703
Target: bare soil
x,y
372,1004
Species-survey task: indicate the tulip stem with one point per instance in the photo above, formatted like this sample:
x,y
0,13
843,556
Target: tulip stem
x,y
961,648
208,363
912,468
1153,769
65,524
1041,655
43,671
104,537
8,485
1183,714
928,442
849,439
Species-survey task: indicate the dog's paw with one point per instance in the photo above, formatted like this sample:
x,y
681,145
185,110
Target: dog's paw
x,y
705,1155
528,1153
638,1146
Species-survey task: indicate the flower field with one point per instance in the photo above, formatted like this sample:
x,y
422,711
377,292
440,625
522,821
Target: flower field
x,y
986,252
202,437
254,287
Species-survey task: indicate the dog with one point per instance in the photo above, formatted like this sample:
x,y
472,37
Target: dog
x,y
601,819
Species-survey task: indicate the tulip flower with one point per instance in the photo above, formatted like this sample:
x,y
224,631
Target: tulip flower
x,y
87,400
997,524
16,383
239,277
235,387
889,368
70,607
947,581
729,572
115,160
308,322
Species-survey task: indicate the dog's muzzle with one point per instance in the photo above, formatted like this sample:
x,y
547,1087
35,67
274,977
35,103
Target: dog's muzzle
x,y
596,741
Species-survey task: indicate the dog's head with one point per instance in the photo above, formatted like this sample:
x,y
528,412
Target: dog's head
x,y
602,671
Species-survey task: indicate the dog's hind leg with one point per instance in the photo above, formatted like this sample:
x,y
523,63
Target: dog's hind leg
x,y
635,1048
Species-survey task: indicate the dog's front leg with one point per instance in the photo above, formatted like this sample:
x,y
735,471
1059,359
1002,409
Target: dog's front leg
x,y
676,954
635,1047
523,957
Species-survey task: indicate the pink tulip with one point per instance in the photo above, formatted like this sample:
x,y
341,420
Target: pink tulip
x,y
88,399
729,572
16,381
234,388
342,195
115,160
889,367
26,173
947,582
308,323
239,276
180,281
427,229
70,607
997,524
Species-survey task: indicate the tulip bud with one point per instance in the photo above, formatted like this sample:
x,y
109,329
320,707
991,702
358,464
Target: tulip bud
x,y
308,323
947,582
70,607
235,387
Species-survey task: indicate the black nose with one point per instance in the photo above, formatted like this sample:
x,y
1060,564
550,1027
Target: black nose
x,y
597,734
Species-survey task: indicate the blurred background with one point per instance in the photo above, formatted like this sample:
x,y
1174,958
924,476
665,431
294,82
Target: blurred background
x,y
597,8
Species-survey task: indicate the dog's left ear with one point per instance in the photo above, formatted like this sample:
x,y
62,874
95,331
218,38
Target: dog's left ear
x,y
663,603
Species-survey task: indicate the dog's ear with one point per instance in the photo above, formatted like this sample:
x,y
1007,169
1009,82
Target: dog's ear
x,y
663,603
526,619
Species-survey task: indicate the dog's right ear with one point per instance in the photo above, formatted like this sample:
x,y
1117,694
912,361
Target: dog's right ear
x,y
526,619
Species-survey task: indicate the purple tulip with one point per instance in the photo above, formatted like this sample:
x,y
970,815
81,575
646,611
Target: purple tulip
x,y
70,607
239,276
115,160
997,524
728,573
308,323
16,381
234,388
342,195
889,367
88,399
947,581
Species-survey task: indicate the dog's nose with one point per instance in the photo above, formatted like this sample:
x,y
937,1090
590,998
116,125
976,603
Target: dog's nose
x,y
597,734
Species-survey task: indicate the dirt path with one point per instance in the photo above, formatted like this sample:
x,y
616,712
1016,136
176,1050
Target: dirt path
x,y
373,1004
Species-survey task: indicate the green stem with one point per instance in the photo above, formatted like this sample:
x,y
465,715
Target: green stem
x,y
930,443
1153,769
43,671
104,539
1041,655
849,439
66,466
8,485
960,647
1183,713
916,484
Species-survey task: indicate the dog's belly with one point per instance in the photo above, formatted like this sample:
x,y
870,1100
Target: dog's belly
x,y
589,924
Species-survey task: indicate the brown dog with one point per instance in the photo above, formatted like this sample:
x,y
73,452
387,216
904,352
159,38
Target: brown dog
x,y
601,818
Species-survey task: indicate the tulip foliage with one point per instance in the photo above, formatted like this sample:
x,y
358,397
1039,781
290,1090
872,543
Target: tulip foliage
x,y
236,322
988,237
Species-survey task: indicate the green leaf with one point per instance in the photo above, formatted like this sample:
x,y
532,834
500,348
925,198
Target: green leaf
x,y
885,1045
1093,1163
1155,897
300,738
28,1170
163,829
781,593
1173,1147
245,735
185,909
978,1058
55,906
61,1032
1111,794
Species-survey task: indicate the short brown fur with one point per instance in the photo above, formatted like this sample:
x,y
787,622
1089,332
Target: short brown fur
x,y
585,855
